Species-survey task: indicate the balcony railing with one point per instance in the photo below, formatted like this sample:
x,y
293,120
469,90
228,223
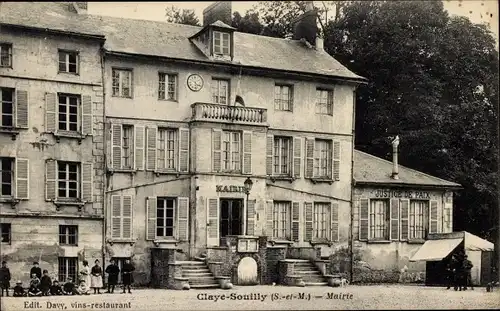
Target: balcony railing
x,y
229,114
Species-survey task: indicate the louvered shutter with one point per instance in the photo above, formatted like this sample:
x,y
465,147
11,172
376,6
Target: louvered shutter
x,y
116,146
291,98
336,161
308,221
394,219
404,211
269,154
127,217
116,216
247,152
22,179
22,109
183,150
335,222
151,217
433,217
364,211
213,222
50,112
183,219
448,214
269,218
139,140
86,115
251,217
309,166
87,174
295,221
216,150
151,142
297,156
50,180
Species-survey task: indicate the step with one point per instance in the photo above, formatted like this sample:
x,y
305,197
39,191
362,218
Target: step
x,y
195,286
189,269
316,283
204,283
308,272
192,275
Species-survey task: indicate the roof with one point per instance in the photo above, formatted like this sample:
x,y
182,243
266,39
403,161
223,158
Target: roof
x,y
153,38
374,170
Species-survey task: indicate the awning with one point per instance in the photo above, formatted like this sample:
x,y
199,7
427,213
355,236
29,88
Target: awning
x,y
475,243
435,250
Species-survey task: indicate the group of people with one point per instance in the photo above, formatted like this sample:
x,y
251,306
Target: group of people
x,y
41,283
459,272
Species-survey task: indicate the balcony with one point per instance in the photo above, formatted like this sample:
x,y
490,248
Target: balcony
x,y
229,114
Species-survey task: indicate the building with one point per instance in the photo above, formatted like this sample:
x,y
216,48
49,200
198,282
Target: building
x,y
51,142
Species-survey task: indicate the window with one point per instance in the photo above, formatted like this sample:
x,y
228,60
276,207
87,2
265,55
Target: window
x,y
68,180
68,112
324,101
6,233
323,158
67,268
167,86
5,55
68,61
282,155
165,216
418,219
127,146
283,97
379,220
321,221
68,235
282,220
7,108
220,91
122,83
221,43
167,149
7,176
231,155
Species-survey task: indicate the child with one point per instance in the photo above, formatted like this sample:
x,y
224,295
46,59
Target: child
x,y
36,270
83,289
96,277
5,278
113,271
19,290
34,289
127,276
69,288
45,283
55,289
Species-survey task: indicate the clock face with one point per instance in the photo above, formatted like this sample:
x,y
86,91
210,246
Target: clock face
x,y
195,82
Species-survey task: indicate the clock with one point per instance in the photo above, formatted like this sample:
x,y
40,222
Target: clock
x,y
195,82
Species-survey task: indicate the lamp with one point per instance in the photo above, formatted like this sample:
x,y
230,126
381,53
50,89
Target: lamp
x,y
248,187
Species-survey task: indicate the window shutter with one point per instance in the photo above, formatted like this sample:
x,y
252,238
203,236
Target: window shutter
x,y
86,115
50,112
269,154
336,160
139,147
251,217
295,221
87,173
151,215
394,235
291,97
309,157
116,216
183,218
22,179
22,109
433,217
297,156
335,221
364,206
116,143
184,150
247,152
213,222
404,210
151,149
127,217
448,214
50,180
269,218
216,150
308,221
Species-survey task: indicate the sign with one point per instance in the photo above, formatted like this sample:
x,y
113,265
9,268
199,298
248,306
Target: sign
x,y
231,188
402,194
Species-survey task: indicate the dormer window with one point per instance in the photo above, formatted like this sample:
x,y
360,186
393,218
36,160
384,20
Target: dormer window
x,y
216,41
221,43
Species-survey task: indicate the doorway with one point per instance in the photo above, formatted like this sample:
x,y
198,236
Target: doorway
x,y
231,218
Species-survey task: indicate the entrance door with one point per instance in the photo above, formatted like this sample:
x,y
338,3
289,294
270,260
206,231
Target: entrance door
x,y
231,218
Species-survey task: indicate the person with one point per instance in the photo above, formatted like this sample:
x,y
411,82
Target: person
x,y
69,287
83,288
19,290
467,267
45,283
55,289
34,289
5,278
458,274
127,276
96,277
36,270
85,273
450,267
112,270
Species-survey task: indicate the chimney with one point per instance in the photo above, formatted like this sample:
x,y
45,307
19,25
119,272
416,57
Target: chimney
x,y
80,7
395,168
221,10
305,26
319,43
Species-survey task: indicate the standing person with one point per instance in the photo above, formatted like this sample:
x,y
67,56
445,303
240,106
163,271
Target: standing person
x,y
450,274
467,267
458,270
5,278
45,283
96,277
85,273
36,270
112,270
127,276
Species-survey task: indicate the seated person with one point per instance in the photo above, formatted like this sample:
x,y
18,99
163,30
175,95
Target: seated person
x,y
83,289
69,288
45,283
55,289
19,290
34,289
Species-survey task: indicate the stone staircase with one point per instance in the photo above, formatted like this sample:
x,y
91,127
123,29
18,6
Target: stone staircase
x,y
198,274
309,273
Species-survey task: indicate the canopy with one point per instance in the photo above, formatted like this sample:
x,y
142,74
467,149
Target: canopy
x,y
435,250
475,243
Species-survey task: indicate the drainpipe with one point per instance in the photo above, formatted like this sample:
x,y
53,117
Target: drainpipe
x,y
353,184
104,186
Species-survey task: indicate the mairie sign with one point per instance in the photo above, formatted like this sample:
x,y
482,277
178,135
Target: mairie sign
x,y
231,188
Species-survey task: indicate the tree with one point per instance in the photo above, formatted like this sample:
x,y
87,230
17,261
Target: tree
x,y
250,23
186,17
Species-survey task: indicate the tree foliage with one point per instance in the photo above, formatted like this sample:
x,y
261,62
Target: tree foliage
x,y
178,16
